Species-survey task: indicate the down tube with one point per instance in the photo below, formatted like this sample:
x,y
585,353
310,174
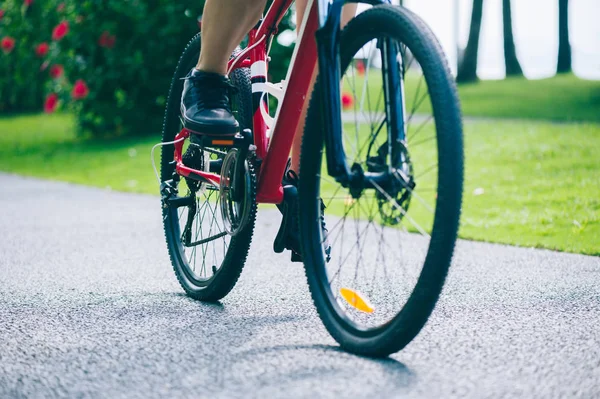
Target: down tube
x,y
288,117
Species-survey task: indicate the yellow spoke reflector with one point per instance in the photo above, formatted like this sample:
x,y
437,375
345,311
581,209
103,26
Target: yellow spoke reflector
x,y
356,300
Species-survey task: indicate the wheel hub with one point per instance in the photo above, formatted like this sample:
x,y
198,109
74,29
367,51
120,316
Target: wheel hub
x,y
398,187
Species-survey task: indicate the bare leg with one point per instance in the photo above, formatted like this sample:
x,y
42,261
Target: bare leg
x,y
347,14
224,25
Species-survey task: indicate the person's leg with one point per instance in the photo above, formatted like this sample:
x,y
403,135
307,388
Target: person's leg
x,y
348,13
288,235
205,105
224,25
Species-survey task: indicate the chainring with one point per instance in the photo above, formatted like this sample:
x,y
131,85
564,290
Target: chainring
x,y
195,158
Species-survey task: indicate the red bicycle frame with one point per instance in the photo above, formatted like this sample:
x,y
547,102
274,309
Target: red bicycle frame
x,y
274,152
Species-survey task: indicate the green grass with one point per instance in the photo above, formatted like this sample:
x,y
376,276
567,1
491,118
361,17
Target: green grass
x,y
541,185
563,98
540,181
46,146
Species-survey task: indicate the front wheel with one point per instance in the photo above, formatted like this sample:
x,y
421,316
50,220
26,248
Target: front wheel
x,y
392,243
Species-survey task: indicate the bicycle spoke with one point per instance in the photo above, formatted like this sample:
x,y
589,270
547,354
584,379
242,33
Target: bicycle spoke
x,y
342,220
421,126
413,193
423,141
426,171
354,104
402,210
369,57
333,196
359,234
376,108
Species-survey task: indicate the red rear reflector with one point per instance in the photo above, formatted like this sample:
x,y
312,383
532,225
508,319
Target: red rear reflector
x,y
222,142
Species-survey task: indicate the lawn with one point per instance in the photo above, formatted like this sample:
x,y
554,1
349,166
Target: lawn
x,y
563,98
46,146
531,183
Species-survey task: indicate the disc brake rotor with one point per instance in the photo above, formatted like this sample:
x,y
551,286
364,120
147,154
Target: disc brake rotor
x,y
394,205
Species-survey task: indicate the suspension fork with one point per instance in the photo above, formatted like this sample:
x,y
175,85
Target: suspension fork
x,y
393,90
329,77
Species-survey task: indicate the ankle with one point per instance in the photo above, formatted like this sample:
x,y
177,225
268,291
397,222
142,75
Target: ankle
x,y
210,70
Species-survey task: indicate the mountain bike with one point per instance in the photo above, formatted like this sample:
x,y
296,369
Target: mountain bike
x,y
381,162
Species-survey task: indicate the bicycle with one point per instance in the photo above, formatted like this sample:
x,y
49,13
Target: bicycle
x,y
377,182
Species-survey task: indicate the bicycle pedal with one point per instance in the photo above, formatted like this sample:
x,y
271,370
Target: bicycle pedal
x,y
296,257
280,238
287,208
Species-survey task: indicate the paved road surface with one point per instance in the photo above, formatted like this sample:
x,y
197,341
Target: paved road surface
x,y
90,307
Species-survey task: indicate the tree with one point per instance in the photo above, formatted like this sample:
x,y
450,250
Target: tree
x,y
467,71
564,46
511,62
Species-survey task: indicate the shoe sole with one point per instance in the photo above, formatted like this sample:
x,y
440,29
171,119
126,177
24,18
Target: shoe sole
x,y
209,130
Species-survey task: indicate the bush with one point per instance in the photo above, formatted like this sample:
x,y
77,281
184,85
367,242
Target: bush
x,y
281,55
26,44
110,61
118,59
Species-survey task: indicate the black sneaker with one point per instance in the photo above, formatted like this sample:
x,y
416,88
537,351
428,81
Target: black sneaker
x,y
205,105
288,236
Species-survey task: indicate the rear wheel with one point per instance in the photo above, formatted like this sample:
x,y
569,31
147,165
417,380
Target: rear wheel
x,y
206,257
392,243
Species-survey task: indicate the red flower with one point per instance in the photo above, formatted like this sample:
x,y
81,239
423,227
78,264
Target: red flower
x,y
360,67
347,100
107,40
42,49
8,44
60,30
28,2
50,103
80,90
1,14
56,71
60,7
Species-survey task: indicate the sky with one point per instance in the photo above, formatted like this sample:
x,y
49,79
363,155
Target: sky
x,y
535,28
535,24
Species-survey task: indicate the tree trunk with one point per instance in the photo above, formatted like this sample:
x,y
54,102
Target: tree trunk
x,y
511,62
564,46
467,71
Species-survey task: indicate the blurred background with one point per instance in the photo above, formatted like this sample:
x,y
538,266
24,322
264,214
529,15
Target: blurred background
x,y
83,86
535,26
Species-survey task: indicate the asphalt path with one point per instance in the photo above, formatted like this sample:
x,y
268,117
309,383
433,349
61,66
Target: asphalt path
x,y
89,307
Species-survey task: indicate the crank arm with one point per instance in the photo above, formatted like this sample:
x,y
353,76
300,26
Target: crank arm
x,y
205,240
178,202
